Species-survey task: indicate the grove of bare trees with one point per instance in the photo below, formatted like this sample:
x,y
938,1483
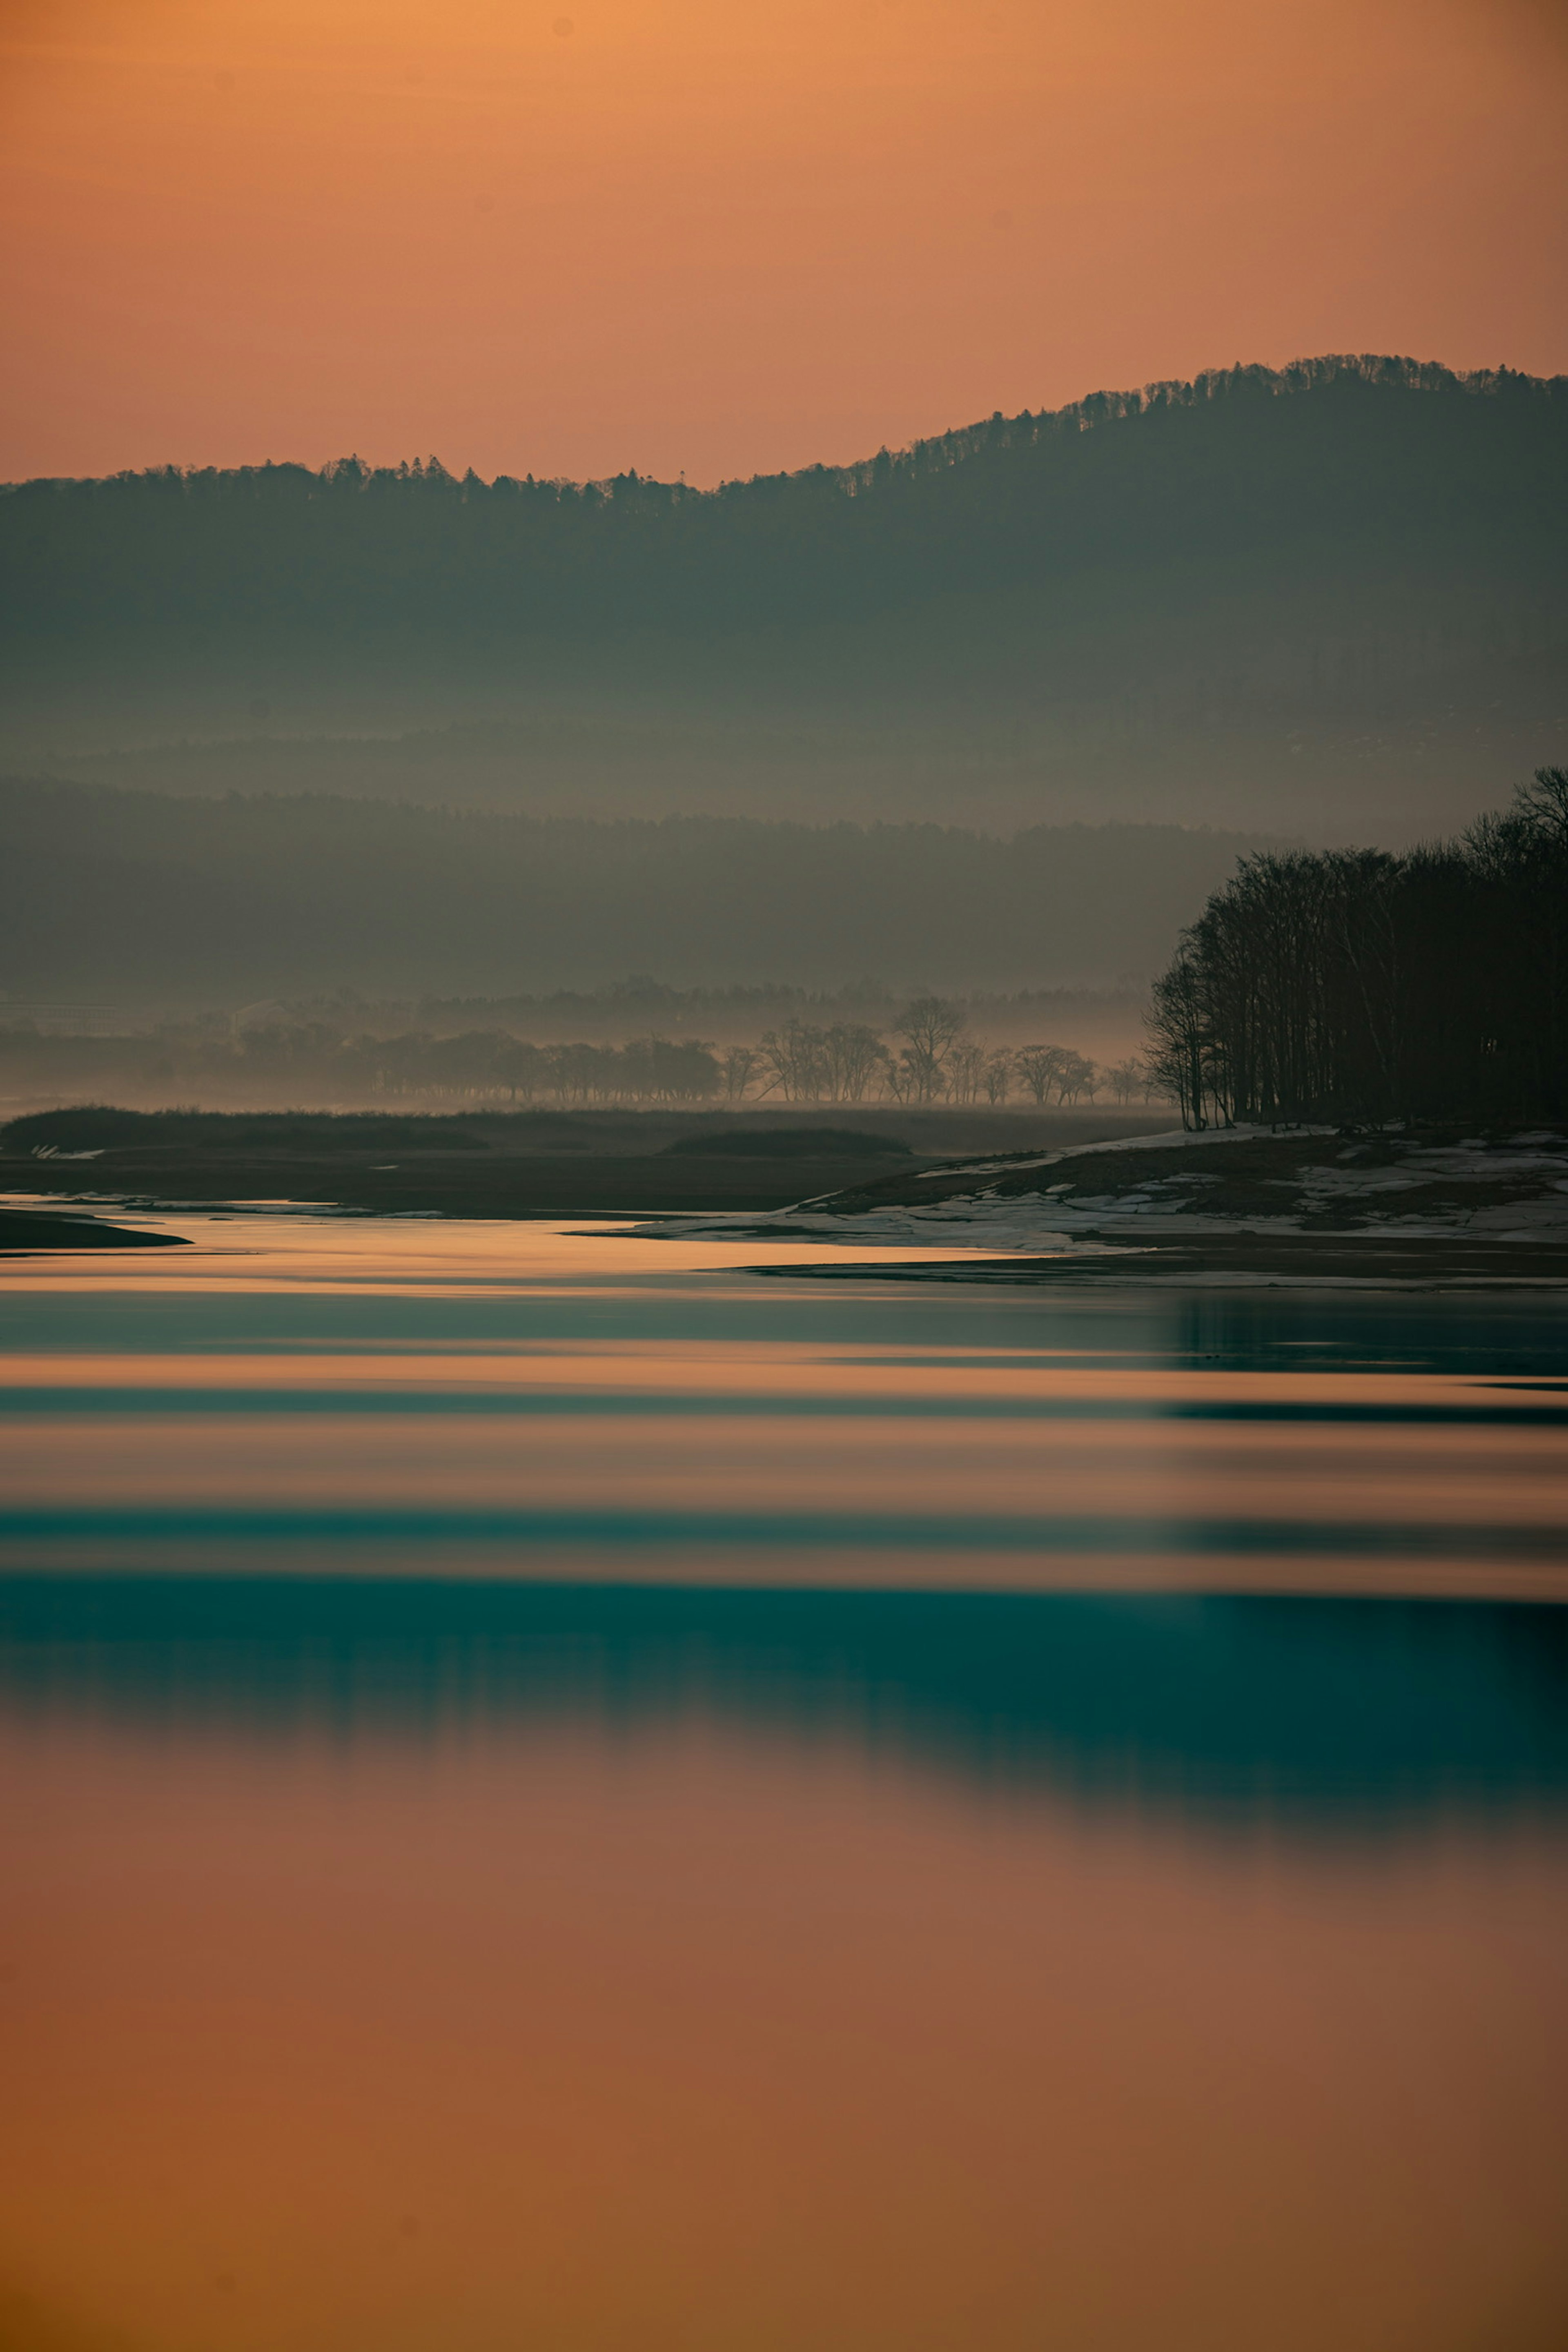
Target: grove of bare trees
x,y
1358,985
928,1059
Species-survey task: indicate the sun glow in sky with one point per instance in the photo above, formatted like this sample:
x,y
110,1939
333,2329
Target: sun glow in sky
x,y
728,235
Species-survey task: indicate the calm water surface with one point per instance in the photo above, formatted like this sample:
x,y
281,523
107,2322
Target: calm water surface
x,y
561,1793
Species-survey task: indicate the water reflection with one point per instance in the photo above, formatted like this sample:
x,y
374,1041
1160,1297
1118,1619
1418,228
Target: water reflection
x,y
408,1472
559,1794
320,1400
1330,1713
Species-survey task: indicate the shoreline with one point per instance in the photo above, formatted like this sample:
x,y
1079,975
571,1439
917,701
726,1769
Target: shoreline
x,y
1308,1207
23,1231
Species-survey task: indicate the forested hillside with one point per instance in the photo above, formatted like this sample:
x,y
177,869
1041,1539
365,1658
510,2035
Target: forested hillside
x,y
1342,577
1338,464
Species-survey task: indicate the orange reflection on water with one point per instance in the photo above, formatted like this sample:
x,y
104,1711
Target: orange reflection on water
x,y
413,1257
695,2041
393,1973
1177,1471
780,1465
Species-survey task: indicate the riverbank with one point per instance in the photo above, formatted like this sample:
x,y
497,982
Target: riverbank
x,y
524,1164
1412,1206
24,1230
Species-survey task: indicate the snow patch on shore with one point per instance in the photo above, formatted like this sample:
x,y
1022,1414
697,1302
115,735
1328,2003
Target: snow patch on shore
x,y
1041,1223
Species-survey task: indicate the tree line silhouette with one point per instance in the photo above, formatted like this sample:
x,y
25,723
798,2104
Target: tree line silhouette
x,y
1358,985
1369,446
929,1057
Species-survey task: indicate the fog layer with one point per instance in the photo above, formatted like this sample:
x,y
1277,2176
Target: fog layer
x,y
143,897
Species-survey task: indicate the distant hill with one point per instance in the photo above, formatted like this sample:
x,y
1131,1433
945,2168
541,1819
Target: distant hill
x,y
1336,587
138,897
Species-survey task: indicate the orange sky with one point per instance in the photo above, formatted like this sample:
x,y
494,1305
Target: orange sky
x,y
727,236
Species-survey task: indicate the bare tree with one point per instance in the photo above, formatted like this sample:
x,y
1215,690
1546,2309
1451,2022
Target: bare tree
x,y
932,1025
852,1056
966,1063
1076,1077
577,1073
794,1059
998,1075
667,1069
738,1068
1039,1068
899,1077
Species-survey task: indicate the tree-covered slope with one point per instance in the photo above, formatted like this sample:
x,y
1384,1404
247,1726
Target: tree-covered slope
x,y
1140,604
1333,465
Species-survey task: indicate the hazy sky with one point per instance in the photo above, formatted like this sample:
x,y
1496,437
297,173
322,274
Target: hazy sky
x,y
727,236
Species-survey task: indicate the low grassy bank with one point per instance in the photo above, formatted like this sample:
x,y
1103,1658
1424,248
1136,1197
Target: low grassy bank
x,y
1417,1205
534,1163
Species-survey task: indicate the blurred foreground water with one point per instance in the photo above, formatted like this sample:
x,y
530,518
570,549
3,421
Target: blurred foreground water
x,y
561,1793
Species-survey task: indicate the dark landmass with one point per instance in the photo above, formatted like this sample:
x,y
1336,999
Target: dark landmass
x,y
23,1229
1329,1183
1418,1207
1336,585
1438,1262
456,1185
523,1164
791,1143
94,1128
607,1184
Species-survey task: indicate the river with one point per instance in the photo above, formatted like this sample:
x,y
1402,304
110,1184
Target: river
x,y
565,1790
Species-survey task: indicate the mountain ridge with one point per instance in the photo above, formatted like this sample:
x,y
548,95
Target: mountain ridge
x,y
1250,599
